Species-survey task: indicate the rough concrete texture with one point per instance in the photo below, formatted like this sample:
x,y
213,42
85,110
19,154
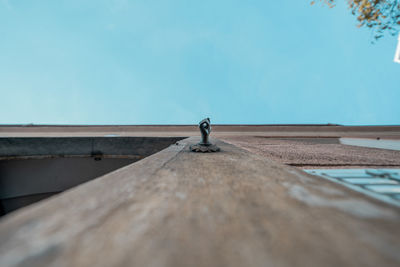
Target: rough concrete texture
x,y
317,152
179,208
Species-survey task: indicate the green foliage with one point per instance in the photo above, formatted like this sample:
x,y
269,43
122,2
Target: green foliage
x,y
379,15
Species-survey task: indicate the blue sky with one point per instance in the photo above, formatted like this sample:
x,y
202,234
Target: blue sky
x,y
177,61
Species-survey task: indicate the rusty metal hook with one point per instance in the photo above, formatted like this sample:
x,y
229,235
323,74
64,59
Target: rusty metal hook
x,y
204,145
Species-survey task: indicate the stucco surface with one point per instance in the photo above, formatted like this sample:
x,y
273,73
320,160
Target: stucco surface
x,y
316,152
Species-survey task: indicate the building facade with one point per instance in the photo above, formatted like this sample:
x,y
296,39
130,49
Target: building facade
x,y
274,195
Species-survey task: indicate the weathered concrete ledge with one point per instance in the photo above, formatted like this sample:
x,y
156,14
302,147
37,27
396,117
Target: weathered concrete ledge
x,y
179,208
391,132
82,146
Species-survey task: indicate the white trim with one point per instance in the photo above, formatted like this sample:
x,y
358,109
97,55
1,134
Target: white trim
x,y
397,55
368,142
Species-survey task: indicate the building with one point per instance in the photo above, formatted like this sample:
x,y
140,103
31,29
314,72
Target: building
x,y
275,195
397,54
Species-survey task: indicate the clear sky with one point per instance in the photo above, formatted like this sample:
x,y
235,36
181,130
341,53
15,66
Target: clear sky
x,y
178,61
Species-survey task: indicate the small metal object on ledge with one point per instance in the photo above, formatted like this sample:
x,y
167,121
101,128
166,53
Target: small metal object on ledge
x,y
204,145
